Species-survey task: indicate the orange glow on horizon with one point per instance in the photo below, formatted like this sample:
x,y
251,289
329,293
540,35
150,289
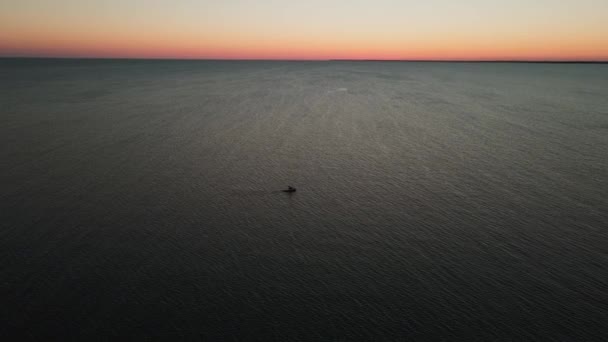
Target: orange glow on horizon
x,y
130,47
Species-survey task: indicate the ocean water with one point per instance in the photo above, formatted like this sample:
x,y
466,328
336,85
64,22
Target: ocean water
x,y
454,201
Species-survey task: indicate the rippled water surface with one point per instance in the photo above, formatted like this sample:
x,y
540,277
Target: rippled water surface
x,y
142,199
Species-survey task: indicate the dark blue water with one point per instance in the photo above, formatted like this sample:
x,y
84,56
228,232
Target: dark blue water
x,y
454,201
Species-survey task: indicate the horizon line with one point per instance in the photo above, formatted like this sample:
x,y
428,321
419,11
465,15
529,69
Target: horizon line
x,y
556,61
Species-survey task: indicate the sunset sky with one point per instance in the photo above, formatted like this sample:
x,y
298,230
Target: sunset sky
x,y
312,29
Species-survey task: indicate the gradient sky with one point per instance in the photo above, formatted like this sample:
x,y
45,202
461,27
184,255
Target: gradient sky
x,y
312,29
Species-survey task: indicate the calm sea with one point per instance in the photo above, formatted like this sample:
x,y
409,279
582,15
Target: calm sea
x,y
455,201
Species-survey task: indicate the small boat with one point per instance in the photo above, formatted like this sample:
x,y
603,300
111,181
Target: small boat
x,y
289,189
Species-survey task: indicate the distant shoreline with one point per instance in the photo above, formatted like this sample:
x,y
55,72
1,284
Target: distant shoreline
x,y
305,60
